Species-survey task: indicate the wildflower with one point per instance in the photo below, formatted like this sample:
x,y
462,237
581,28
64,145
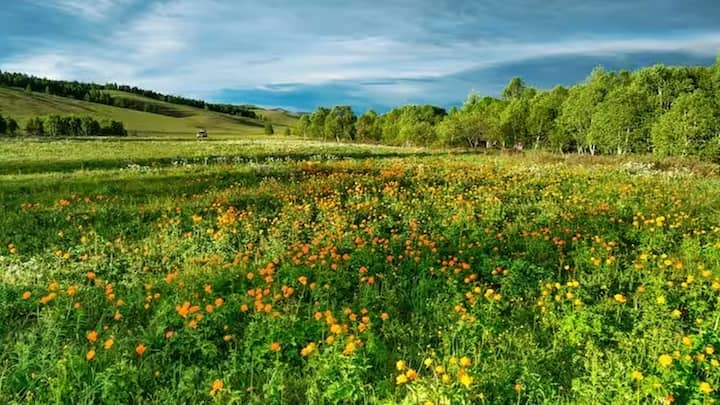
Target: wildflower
x,y
401,379
428,362
676,313
440,369
705,388
411,374
637,376
92,336
465,361
216,386
26,295
169,334
665,360
384,316
140,349
400,365
661,300
108,344
308,350
619,298
465,378
275,346
349,348
90,355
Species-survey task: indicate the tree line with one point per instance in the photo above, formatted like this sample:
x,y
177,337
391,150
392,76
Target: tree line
x,y
661,110
93,92
58,125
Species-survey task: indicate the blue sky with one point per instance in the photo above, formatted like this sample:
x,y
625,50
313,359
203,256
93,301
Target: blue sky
x,y
369,54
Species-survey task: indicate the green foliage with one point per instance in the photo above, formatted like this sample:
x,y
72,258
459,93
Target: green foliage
x,y
269,130
289,277
691,127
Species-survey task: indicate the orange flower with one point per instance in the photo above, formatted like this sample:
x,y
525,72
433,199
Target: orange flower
x,y
90,275
169,334
216,386
183,309
92,336
140,349
275,346
72,290
90,355
108,344
384,316
303,280
26,295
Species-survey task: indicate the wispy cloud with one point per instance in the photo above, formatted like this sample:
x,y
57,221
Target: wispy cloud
x,y
199,48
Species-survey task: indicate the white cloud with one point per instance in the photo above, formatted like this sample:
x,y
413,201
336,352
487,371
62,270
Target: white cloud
x,y
197,47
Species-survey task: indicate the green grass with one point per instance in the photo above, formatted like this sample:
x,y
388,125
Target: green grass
x,y
285,272
22,105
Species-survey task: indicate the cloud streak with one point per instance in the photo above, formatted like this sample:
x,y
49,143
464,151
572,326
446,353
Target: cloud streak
x,y
391,50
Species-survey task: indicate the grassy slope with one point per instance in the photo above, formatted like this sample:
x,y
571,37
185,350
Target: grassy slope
x,y
22,105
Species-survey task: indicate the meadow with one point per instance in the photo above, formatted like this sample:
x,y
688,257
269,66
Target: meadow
x,y
275,271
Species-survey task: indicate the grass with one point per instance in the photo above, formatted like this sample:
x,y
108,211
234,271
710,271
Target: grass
x,y
295,272
22,105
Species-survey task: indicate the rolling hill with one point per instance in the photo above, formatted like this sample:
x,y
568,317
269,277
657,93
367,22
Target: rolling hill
x,y
170,119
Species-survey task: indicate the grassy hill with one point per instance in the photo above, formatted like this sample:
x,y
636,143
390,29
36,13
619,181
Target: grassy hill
x,y
173,120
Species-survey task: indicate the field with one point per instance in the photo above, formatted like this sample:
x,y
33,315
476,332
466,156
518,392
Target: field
x,y
291,272
178,121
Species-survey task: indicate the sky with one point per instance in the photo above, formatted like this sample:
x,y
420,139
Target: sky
x,y
299,54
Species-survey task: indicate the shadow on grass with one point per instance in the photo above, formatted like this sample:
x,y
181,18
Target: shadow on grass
x,y
178,161
131,207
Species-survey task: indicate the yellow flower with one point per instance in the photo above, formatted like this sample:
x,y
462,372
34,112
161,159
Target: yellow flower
x,y
400,365
216,386
465,361
428,362
620,298
401,379
661,300
637,376
349,348
709,350
90,355
705,388
440,369
108,344
308,350
687,340
665,360
465,378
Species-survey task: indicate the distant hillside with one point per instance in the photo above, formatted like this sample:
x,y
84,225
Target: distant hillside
x,y
162,118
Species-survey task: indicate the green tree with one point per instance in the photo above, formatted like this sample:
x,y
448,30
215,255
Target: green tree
x,y
542,116
618,122
90,127
35,127
368,127
303,125
12,126
317,122
476,125
691,127
56,125
514,89
268,129
340,123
